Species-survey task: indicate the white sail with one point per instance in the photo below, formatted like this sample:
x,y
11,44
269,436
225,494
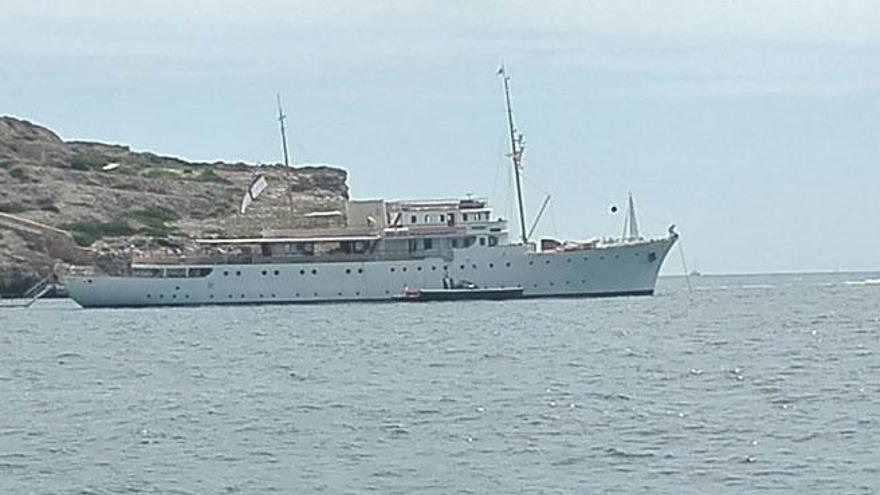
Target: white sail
x,y
258,185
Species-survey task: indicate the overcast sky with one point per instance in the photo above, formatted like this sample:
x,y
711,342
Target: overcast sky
x,y
753,125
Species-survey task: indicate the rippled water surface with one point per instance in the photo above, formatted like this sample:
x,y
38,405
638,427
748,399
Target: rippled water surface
x,y
745,385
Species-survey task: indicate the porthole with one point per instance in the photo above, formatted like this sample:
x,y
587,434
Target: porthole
x,y
264,272
149,296
551,284
392,269
616,256
387,292
567,282
302,272
316,294
161,296
225,273
177,288
418,268
273,295
491,265
211,296
474,266
535,285
360,270
403,269
237,273
261,296
531,263
348,271
433,268
297,294
357,293
314,271
242,296
568,260
546,262
186,296
507,264
339,293
276,272
230,296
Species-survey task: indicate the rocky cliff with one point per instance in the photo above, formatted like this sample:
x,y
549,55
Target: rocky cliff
x,y
144,203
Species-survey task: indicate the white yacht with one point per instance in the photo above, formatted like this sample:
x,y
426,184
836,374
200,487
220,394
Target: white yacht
x,y
386,249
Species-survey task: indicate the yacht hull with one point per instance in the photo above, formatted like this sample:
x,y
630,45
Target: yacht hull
x,y
619,270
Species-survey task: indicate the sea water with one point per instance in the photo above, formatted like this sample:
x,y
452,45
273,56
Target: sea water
x,y
743,384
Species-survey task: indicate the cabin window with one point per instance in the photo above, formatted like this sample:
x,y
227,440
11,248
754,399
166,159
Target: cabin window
x,y
482,241
429,243
493,241
454,243
148,272
442,218
464,217
413,219
427,218
469,241
452,218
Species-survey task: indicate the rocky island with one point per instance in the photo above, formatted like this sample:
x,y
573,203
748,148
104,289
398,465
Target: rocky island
x,y
74,201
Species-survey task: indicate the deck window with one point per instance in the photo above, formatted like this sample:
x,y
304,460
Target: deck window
x,y
429,243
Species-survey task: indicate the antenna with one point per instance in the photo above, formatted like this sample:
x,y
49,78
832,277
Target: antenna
x,y
281,118
517,147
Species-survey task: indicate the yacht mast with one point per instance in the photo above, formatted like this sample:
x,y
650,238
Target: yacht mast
x,y
281,118
516,152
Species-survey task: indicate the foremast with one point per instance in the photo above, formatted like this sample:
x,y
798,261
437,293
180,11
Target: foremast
x,y
517,148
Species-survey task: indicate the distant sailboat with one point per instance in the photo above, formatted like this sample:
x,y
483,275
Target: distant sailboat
x,y
696,271
630,224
